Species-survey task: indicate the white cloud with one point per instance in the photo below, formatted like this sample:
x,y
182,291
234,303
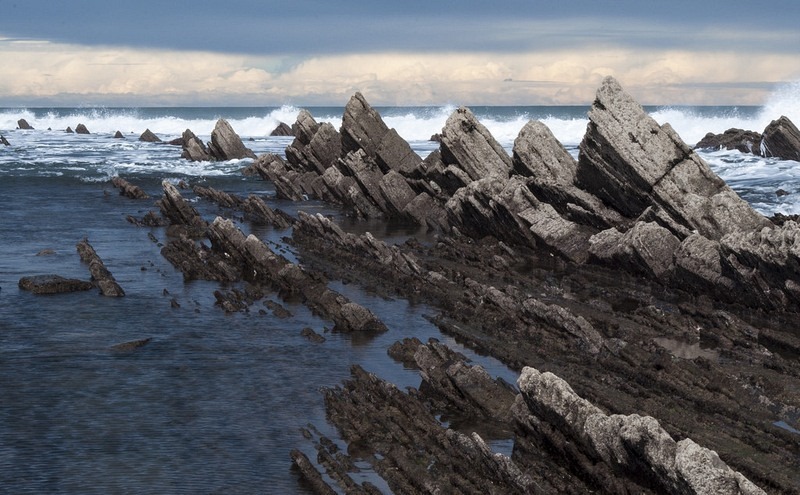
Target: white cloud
x,y
71,74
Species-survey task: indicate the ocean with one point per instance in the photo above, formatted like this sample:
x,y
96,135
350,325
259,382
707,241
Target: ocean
x,y
215,402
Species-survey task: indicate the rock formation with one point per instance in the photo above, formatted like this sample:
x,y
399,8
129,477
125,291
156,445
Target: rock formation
x,y
4,141
52,284
732,139
149,137
633,446
226,144
128,190
101,277
24,125
81,129
781,140
283,129
600,269
193,148
118,135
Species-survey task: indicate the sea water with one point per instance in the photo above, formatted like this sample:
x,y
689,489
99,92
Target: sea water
x,y
215,402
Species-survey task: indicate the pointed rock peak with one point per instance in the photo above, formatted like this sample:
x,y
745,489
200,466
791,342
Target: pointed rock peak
x,y
611,91
226,144
470,146
362,127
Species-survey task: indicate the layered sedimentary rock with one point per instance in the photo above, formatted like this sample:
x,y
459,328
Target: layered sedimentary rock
x,y
101,276
635,448
129,190
781,139
282,129
732,139
468,145
226,144
193,148
149,136
365,166
632,163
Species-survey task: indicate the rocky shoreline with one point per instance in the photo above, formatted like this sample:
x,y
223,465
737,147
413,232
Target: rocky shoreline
x,y
651,313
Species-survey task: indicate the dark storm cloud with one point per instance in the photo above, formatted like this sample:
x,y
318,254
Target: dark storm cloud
x,y
325,27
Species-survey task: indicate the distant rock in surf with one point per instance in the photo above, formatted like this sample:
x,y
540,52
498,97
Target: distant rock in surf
x,y
283,129
81,129
149,137
118,135
226,144
194,149
781,140
4,141
69,130
24,125
738,139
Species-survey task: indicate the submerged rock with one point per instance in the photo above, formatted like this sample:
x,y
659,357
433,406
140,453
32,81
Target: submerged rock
x,y
4,141
132,345
53,284
129,190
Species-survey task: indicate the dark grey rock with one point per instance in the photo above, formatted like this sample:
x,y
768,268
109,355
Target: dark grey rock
x,y
283,129
128,190
101,277
149,137
632,163
81,129
468,145
24,125
226,144
193,148
781,140
738,139
53,284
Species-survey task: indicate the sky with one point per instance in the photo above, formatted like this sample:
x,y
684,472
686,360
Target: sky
x,y
265,53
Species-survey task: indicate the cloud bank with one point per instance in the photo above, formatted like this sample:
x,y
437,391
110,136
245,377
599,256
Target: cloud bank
x,y
49,73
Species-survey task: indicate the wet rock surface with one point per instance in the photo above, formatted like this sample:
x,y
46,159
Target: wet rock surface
x,y
780,139
101,277
651,313
53,284
129,190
